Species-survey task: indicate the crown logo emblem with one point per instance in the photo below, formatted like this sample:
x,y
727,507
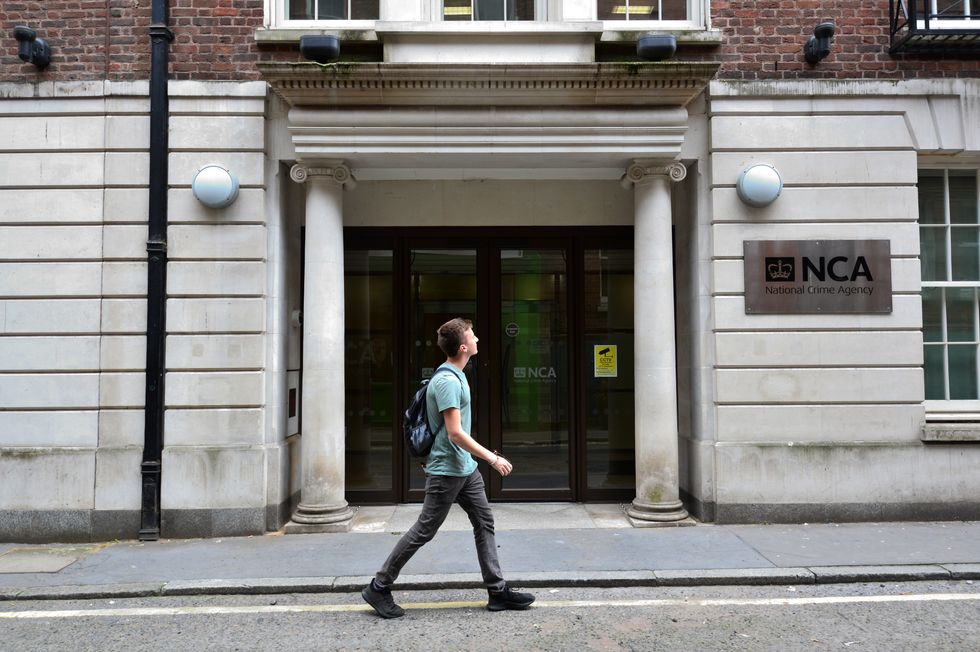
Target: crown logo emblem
x,y
780,269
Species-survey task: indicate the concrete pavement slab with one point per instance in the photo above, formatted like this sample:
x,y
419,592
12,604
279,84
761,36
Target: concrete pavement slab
x,y
613,516
854,544
507,516
614,549
34,560
254,586
372,518
84,592
963,571
845,574
586,556
577,551
351,584
592,578
744,576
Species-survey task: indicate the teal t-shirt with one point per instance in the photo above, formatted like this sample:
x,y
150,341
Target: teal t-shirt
x,y
448,390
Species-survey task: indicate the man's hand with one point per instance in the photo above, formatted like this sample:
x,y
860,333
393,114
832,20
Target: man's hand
x,y
502,466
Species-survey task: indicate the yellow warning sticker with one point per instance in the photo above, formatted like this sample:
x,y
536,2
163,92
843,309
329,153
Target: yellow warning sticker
x,y
606,365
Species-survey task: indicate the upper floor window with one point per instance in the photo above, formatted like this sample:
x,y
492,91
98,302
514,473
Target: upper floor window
x,y
644,10
949,8
949,235
333,9
488,9
361,14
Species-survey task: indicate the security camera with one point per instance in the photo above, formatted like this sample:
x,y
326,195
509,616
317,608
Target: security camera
x,y
818,47
30,48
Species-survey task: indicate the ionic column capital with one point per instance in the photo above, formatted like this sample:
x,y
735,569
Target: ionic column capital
x,y
337,173
639,172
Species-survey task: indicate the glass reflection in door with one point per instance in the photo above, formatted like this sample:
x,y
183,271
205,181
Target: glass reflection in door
x,y
607,307
443,286
534,413
369,369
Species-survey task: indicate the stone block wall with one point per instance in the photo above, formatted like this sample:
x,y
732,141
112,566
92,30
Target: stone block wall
x,y
819,417
73,210
214,461
72,291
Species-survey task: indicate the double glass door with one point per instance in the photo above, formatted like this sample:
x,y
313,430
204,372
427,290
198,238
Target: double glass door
x,y
543,308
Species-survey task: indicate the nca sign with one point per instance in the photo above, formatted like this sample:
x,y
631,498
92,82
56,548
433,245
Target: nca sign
x,y
817,276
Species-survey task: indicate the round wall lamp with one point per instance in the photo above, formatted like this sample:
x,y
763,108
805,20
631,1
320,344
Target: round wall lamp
x,y
656,47
322,49
759,185
215,187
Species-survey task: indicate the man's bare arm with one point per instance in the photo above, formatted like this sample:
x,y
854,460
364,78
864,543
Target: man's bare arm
x,y
454,428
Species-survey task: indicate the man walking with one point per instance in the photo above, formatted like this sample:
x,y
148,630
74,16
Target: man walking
x,y
451,476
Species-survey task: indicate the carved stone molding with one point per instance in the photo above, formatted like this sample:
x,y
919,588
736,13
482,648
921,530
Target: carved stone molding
x,y
337,173
666,83
638,173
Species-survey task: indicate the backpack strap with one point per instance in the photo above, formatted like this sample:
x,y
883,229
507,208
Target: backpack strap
x,y
429,383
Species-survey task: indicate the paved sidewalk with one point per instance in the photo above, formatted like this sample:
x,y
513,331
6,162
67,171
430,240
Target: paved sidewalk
x,y
540,545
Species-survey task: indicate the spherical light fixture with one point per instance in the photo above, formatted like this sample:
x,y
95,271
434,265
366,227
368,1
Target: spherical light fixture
x,y
759,185
215,187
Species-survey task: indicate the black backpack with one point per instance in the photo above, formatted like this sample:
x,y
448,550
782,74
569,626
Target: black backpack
x,y
418,436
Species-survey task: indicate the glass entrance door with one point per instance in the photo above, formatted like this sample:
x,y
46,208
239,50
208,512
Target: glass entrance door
x,y
532,419
442,285
552,386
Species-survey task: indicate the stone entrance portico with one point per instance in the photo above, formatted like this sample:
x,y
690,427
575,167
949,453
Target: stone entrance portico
x,y
396,120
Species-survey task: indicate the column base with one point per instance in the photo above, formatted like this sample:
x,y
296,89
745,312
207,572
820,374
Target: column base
x,y
668,514
312,519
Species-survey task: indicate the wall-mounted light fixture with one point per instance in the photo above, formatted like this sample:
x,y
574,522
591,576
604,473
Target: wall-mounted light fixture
x,y
818,47
759,185
322,49
30,48
656,47
214,186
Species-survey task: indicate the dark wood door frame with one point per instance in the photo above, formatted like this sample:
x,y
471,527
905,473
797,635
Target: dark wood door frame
x,y
487,241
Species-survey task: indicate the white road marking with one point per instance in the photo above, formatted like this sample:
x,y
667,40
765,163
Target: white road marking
x,y
136,612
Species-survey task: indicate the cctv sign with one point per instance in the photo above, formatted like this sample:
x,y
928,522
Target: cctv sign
x,y
817,276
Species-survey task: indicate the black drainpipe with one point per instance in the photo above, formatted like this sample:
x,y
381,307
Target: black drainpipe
x,y
156,286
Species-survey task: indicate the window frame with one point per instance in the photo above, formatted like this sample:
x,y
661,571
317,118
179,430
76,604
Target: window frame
x,y
950,409
698,18
545,11
541,14
276,9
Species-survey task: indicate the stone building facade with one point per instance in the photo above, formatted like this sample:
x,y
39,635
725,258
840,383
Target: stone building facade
x,y
517,163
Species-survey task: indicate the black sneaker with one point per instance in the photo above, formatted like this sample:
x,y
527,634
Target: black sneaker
x,y
509,599
382,602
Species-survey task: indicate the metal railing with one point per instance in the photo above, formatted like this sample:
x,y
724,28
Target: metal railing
x,y
922,26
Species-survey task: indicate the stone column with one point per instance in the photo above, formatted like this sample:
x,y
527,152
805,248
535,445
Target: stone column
x,y
322,507
657,499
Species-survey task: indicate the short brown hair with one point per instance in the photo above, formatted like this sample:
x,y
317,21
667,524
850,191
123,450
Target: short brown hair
x,y
449,337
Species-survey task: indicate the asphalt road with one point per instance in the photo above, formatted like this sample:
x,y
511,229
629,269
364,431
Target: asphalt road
x,y
888,617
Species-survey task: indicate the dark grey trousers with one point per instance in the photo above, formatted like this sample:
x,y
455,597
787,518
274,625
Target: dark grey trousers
x,y
441,491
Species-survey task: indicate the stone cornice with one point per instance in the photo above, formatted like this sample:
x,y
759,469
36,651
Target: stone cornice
x,y
613,84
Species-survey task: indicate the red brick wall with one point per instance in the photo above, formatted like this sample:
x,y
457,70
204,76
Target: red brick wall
x,y
107,39
764,40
